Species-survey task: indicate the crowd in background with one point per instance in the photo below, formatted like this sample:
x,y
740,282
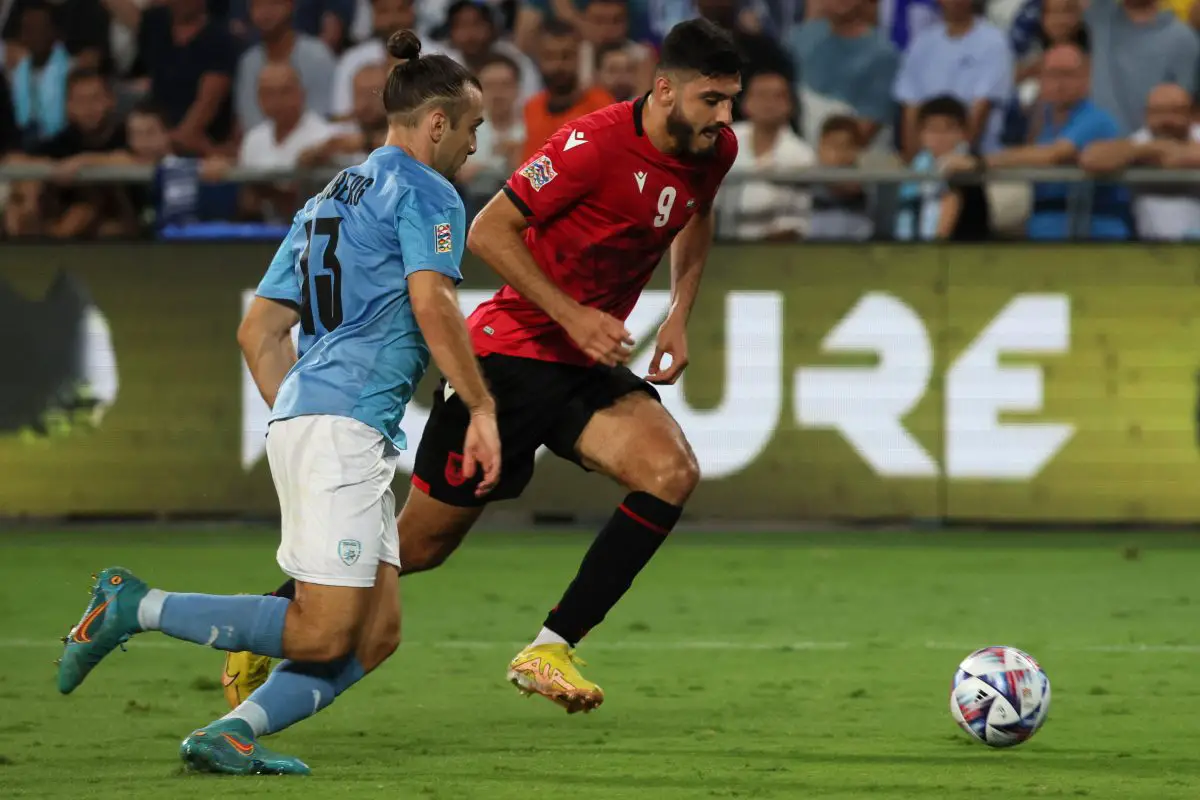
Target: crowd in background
x,y
196,88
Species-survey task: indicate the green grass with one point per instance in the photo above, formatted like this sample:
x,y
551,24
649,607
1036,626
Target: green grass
x,y
756,666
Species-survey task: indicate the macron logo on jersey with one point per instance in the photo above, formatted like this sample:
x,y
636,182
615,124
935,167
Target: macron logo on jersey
x,y
640,177
574,140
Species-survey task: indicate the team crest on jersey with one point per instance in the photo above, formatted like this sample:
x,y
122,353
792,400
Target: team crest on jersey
x,y
539,172
349,550
442,241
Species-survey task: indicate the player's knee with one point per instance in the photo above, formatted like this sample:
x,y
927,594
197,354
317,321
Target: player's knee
x,y
320,643
673,476
426,553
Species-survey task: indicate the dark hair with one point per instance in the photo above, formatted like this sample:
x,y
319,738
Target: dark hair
x,y
459,6
623,3
82,74
420,81
147,107
499,58
698,45
604,49
558,29
842,123
943,106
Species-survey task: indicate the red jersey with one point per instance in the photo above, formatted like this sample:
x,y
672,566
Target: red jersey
x,y
603,206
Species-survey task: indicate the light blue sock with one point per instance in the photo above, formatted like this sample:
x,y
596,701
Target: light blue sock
x,y
296,691
227,622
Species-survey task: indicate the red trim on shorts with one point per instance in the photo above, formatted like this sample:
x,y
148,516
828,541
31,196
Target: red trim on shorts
x,y
659,529
420,484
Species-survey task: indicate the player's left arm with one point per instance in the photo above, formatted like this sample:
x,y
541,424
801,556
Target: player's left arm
x,y
689,252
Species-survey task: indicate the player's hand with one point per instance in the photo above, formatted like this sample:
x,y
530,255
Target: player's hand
x,y
671,341
481,451
601,336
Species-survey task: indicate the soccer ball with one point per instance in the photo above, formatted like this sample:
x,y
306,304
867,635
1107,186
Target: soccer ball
x,y
1000,696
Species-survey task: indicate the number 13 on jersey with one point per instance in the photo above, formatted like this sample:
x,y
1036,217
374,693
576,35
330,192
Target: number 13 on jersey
x,y
328,286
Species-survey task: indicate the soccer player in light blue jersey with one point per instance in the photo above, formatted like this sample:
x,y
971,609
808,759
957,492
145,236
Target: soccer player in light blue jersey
x,y
368,271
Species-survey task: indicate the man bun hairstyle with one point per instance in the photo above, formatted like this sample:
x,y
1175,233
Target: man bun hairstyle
x,y
417,83
700,46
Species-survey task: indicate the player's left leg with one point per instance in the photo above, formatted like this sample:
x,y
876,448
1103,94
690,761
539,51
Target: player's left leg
x,y
640,445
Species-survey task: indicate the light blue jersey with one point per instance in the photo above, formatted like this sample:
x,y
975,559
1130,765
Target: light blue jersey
x,y
345,265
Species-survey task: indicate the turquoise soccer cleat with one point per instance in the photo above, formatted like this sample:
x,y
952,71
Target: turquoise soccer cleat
x,y
108,622
228,747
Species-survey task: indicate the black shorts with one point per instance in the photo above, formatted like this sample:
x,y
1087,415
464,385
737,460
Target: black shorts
x,y
537,403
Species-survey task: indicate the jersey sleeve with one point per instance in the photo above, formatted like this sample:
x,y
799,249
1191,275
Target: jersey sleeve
x,y
280,282
432,237
565,170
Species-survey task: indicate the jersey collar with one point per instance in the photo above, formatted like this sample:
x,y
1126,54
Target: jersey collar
x,y
639,106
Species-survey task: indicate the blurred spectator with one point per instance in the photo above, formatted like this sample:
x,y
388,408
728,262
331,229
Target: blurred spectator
x,y
1169,211
532,14
280,43
364,131
81,25
846,69
761,52
841,211
902,21
1071,122
126,18
190,60
605,24
1061,22
934,210
288,128
472,31
764,209
963,56
499,140
1135,47
326,20
39,82
387,17
616,72
564,97
64,211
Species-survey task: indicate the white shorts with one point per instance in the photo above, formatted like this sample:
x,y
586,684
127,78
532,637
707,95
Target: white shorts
x,y
334,480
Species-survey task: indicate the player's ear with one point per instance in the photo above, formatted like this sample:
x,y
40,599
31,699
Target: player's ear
x,y
664,90
439,125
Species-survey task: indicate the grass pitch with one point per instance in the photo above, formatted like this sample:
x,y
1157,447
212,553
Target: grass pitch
x,y
756,666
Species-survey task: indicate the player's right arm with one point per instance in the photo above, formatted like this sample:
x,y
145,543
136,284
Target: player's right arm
x,y
265,334
557,177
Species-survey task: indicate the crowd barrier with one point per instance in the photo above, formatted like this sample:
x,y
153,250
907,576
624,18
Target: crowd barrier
x,y
1008,383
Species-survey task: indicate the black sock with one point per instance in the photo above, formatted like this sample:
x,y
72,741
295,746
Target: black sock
x,y
287,591
625,545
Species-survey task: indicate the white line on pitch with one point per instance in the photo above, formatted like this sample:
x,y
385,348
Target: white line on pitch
x,y
800,646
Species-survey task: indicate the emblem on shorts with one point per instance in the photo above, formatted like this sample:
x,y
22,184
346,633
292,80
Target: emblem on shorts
x,y
443,241
454,471
349,550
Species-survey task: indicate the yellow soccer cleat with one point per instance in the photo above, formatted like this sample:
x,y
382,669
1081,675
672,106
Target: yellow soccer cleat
x,y
244,672
549,670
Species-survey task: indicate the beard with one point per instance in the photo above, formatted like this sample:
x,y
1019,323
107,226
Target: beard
x,y
687,135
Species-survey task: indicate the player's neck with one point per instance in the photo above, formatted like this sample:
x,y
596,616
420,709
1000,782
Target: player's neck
x,y
417,150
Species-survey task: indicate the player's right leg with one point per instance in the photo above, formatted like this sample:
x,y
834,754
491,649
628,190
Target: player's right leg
x,y
429,529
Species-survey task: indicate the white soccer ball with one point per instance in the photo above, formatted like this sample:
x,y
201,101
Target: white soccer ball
x,y
1000,696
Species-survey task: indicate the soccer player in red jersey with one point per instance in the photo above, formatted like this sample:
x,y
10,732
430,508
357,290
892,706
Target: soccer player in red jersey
x,y
575,234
